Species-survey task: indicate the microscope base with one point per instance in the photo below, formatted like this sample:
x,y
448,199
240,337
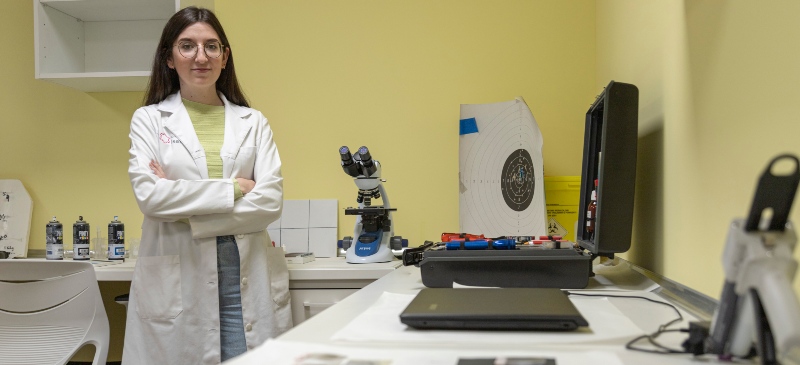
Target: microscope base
x,y
384,254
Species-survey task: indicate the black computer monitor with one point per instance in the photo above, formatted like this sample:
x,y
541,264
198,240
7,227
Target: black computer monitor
x,y
609,157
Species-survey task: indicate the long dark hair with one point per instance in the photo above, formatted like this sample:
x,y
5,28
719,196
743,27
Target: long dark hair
x,y
164,81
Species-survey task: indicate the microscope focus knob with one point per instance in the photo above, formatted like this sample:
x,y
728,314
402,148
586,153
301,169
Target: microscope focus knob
x,y
396,243
347,242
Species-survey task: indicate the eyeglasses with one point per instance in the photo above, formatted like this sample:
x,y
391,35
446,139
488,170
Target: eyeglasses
x,y
188,49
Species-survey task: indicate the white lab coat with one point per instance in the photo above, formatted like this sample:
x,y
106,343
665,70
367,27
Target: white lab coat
x,y
173,313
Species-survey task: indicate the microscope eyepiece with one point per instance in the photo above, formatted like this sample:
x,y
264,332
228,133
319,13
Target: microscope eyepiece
x,y
348,165
344,152
359,163
366,159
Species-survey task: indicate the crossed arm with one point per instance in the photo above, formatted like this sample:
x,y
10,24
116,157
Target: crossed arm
x,y
245,185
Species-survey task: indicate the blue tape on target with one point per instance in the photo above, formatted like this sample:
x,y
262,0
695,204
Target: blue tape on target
x,y
467,126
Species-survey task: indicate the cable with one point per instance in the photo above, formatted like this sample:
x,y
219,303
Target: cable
x,y
651,337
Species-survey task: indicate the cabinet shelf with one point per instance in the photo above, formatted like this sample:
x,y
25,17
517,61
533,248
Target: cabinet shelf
x,y
100,81
114,10
98,45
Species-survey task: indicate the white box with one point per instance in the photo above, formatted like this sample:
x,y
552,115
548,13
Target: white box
x,y
322,241
299,257
323,213
295,214
275,235
294,240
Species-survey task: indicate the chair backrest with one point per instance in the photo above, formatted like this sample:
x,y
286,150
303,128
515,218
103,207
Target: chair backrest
x,y
49,310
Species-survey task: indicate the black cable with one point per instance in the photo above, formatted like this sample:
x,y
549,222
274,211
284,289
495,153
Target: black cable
x,y
651,337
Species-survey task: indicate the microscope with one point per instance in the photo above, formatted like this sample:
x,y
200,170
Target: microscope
x,y
374,234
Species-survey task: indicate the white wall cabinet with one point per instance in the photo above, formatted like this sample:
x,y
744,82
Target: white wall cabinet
x,y
100,45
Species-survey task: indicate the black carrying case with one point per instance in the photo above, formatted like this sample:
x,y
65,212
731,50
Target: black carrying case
x,y
524,268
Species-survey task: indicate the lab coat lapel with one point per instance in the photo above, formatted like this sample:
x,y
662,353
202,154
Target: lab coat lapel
x,y
181,126
237,126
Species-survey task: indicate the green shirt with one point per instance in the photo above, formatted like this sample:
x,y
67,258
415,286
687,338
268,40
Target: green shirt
x,y
209,125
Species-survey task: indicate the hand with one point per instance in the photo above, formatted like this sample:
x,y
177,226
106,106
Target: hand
x,y
157,170
245,185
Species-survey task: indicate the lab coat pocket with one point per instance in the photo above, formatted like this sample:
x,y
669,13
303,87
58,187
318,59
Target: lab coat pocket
x,y
245,162
278,276
158,287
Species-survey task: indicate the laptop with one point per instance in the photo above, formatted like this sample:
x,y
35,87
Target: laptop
x,y
531,309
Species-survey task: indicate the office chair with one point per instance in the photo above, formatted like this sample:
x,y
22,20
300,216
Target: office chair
x,y
49,310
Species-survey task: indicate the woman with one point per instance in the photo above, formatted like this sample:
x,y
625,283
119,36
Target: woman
x,y
206,175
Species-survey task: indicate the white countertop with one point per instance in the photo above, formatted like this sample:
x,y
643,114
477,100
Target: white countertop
x,y
335,268
322,268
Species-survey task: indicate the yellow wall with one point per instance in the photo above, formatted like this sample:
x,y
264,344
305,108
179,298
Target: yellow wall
x,y
391,75
386,74
68,148
719,85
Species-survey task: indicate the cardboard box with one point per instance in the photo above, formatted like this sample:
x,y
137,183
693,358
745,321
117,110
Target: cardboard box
x,y
562,197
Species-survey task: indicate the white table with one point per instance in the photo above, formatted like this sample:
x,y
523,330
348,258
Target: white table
x,y
317,332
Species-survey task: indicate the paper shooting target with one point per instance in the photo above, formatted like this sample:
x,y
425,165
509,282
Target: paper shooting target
x,y
500,171
518,180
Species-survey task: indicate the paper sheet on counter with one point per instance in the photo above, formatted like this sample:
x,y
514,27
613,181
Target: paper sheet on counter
x,y
277,352
381,323
617,277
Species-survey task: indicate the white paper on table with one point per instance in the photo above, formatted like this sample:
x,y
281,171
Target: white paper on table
x,y
602,283
381,323
647,315
277,352
501,173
